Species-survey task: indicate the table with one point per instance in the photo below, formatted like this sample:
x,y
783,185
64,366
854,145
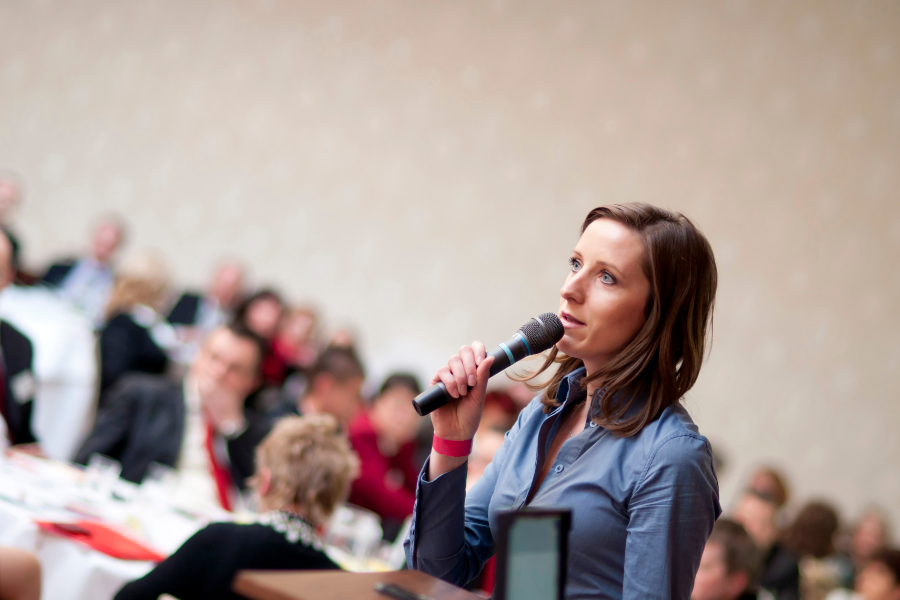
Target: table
x,y
39,489
336,585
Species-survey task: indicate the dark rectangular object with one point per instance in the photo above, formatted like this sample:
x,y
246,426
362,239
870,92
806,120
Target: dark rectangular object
x,y
532,547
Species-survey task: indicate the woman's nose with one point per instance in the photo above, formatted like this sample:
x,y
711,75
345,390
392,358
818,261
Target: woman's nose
x,y
572,289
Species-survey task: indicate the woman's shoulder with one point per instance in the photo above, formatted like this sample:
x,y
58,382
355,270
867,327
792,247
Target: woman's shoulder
x,y
673,438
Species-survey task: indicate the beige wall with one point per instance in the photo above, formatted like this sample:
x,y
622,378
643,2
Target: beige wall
x,y
420,170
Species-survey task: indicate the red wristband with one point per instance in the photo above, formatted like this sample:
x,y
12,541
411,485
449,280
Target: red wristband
x,y
451,447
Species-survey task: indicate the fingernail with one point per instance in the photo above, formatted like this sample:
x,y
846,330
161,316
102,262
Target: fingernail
x,y
471,380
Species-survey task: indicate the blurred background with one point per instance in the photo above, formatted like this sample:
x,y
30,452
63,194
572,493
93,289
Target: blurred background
x,y
418,172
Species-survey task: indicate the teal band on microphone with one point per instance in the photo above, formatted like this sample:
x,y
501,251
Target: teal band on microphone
x,y
509,354
527,345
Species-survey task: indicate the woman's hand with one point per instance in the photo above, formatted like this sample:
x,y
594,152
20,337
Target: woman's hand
x,y
465,376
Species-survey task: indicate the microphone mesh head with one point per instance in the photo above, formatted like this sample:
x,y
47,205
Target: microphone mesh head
x,y
542,332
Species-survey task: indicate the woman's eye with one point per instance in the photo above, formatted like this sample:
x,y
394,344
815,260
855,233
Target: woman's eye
x,y
575,264
607,278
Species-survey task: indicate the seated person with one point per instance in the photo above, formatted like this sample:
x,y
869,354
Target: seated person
x,y
199,426
878,580
728,566
779,571
383,438
215,307
135,338
868,537
20,575
17,383
261,313
334,387
304,468
86,282
295,342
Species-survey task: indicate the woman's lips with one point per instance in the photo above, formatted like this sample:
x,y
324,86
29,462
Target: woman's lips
x,y
568,321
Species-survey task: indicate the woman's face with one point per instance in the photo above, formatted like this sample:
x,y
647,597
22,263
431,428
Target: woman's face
x,y
263,316
603,302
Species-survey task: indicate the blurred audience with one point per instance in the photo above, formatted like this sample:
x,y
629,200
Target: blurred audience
x,y
295,343
200,425
202,312
17,382
11,193
20,575
86,282
135,338
868,537
780,571
304,468
770,483
728,566
383,438
261,313
811,539
334,388
878,580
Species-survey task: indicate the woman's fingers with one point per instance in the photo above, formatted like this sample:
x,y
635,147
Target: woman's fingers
x,y
462,370
479,351
467,355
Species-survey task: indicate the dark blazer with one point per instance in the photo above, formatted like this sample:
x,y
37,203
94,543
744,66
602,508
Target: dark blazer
x,y
143,422
18,379
205,566
127,347
57,272
185,310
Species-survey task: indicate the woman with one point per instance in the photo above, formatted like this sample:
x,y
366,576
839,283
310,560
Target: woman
x,y
135,337
383,438
636,308
261,313
303,471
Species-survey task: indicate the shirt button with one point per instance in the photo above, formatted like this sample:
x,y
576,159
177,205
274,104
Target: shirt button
x,y
559,468
593,424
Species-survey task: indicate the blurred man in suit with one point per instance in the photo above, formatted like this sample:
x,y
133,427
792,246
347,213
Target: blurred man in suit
x,y
199,426
86,282
216,306
17,383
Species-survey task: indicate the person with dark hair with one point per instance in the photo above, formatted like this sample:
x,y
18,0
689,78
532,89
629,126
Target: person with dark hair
x,y
608,437
17,382
779,569
334,387
728,566
200,425
383,438
261,313
811,539
86,282
303,472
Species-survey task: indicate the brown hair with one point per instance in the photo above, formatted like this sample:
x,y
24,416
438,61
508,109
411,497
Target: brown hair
x,y
812,532
311,463
738,549
665,356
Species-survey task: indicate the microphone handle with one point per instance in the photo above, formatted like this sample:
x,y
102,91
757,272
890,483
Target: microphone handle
x,y
513,350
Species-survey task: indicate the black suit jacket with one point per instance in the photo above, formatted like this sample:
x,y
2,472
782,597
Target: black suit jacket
x,y
185,310
18,378
58,272
126,347
143,422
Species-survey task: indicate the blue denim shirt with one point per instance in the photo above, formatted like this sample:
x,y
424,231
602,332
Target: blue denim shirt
x,y
642,506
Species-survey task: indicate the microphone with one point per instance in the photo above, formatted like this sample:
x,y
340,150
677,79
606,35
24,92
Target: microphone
x,y
535,336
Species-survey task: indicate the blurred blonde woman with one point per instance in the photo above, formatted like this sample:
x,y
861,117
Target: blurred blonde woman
x,y
135,337
303,472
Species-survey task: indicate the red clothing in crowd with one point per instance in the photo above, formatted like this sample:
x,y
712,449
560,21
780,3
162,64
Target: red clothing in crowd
x,y
387,484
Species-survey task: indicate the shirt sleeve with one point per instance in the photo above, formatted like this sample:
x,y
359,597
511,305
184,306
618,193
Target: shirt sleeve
x,y
450,534
671,514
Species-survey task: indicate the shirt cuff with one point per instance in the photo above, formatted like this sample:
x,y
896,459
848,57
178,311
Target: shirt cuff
x,y
438,529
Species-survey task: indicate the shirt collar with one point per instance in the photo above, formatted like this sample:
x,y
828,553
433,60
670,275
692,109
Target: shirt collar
x,y
570,392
